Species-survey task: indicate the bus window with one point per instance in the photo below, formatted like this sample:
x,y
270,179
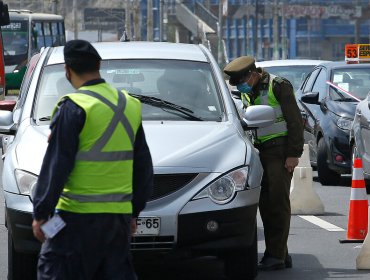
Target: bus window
x,y
22,40
47,33
38,33
61,32
55,34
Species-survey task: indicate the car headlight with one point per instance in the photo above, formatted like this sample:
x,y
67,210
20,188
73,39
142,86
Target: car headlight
x,y
26,182
344,123
223,189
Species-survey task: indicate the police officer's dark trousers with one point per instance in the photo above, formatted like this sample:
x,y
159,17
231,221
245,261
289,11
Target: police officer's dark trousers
x,y
274,203
91,246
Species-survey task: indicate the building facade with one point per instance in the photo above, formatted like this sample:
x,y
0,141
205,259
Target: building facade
x,y
266,29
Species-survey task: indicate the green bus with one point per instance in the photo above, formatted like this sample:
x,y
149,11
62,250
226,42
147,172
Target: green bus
x,y
26,34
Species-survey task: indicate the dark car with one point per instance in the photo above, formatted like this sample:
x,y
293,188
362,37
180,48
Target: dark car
x,y
327,99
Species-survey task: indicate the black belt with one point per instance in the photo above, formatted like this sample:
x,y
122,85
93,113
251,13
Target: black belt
x,y
274,142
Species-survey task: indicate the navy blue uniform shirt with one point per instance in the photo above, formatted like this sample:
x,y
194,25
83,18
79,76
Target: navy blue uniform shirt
x,y
60,155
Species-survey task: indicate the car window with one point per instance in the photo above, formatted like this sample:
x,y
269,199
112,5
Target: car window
x,y
189,84
355,80
294,73
320,85
308,83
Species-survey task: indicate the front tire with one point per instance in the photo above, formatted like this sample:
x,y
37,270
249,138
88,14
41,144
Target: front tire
x,y
327,177
242,264
21,266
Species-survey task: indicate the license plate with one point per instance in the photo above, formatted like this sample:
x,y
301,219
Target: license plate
x,y
148,226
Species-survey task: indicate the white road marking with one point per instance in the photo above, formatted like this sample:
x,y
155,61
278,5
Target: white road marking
x,y
321,223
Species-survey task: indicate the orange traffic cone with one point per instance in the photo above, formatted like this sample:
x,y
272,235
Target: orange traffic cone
x,y
358,207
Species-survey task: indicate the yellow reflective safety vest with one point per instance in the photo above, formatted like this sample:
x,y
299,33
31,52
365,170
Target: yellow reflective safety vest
x,y
101,180
279,128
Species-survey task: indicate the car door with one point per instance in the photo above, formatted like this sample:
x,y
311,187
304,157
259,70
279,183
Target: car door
x,y
363,141
309,114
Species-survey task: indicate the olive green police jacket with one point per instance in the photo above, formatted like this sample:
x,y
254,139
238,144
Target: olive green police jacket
x,y
284,94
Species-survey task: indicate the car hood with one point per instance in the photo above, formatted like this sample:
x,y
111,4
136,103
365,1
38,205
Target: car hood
x,y
343,109
176,147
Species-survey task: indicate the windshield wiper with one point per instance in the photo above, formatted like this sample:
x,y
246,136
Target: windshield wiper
x,y
166,105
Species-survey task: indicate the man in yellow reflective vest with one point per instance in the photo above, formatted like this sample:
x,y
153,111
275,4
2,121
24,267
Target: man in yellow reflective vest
x,y
280,146
96,177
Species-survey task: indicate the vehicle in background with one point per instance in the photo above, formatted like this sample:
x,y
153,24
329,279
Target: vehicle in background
x,y
4,20
207,172
327,99
24,36
294,70
360,136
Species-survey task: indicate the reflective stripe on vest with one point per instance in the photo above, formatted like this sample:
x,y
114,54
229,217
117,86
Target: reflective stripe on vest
x,y
96,153
113,197
279,128
246,100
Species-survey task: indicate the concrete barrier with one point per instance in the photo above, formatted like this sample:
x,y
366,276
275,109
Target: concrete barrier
x,y
363,258
303,198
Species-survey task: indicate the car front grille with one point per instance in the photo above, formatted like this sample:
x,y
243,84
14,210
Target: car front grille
x,y
152,243
165,184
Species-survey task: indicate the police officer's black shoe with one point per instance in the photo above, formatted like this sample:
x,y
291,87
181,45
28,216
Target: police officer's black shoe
x,y
288,261
271,263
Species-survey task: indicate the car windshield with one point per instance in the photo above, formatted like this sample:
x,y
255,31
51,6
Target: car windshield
x,y
294,73
187,88
353,81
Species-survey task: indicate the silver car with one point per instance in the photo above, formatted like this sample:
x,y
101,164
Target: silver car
x,y
360,135
295,70
207,172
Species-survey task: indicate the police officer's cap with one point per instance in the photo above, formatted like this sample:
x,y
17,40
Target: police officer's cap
x,y
238,67
80,49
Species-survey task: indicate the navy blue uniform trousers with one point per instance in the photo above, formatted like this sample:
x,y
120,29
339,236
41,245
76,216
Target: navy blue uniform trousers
x,y
90,246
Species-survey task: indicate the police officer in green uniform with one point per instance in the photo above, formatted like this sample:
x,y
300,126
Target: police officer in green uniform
x,y
96,176
280,146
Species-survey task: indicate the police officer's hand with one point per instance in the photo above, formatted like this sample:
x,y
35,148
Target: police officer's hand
x,y
291,163
133,226
37,232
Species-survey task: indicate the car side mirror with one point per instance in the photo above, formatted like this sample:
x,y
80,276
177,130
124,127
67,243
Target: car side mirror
x,y
6,122
257,116
310,98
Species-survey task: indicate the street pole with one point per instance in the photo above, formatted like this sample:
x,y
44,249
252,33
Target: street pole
x,y
149,28
160,20
128,20
284,36
75,19
137,29
276,30
248,32
219,31
256,29
54,6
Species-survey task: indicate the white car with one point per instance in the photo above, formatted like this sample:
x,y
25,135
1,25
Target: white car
x,y
207,172
295,70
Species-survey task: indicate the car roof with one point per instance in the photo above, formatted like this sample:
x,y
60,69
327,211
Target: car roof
x,y
289,62
140,50
343,64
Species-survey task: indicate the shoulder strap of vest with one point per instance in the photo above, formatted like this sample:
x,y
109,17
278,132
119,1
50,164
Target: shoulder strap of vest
x,y
95,153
